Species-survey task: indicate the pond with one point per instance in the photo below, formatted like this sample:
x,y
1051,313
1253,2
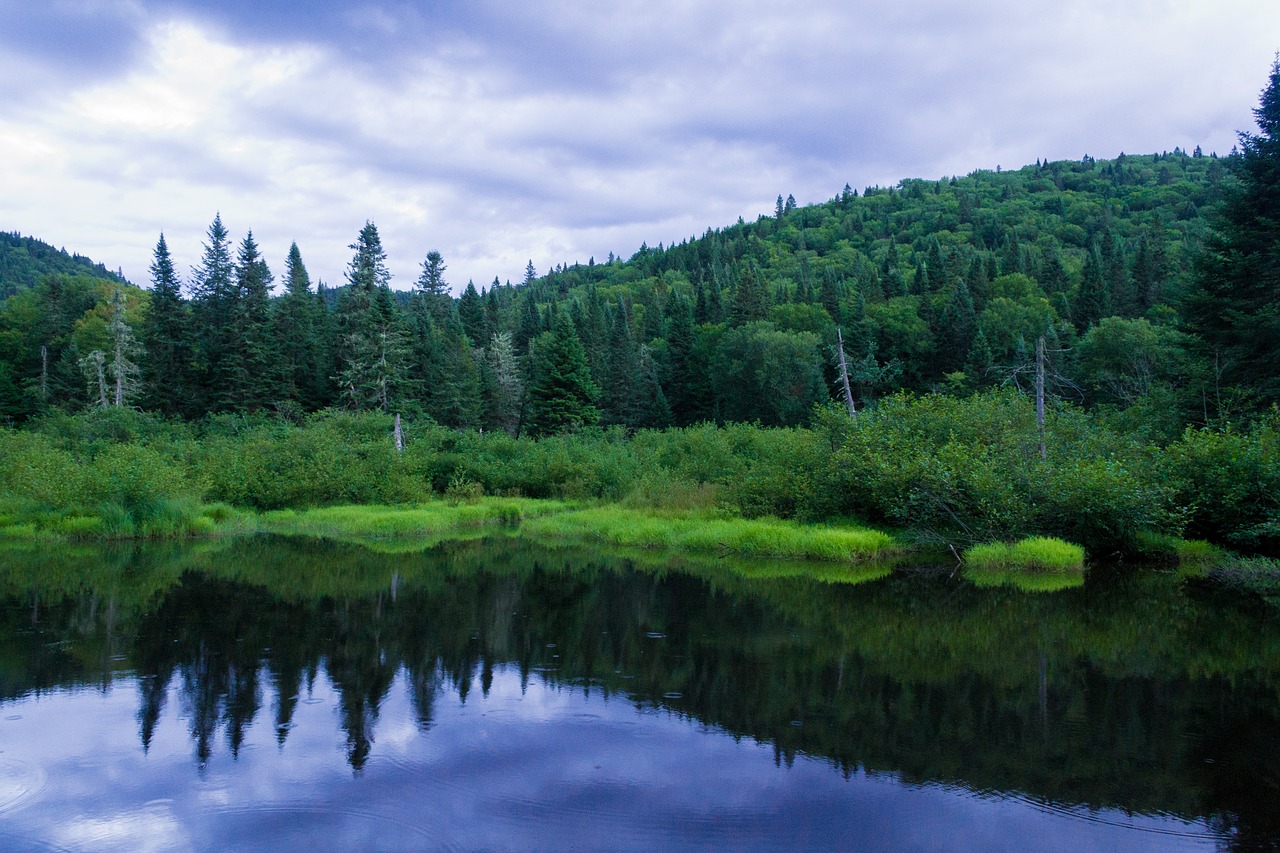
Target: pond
x,y
277,694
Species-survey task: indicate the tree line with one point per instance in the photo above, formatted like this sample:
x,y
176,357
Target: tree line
x,y
1149,278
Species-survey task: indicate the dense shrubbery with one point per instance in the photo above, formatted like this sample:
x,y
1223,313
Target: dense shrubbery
x,y
957,469
971,469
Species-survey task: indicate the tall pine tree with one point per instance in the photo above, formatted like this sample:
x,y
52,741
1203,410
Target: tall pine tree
x,y
1234,310
166,339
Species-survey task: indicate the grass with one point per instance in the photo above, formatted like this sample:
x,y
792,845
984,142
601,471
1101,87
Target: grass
x,y
163,518
1191,555
709,532
424,522
1035,564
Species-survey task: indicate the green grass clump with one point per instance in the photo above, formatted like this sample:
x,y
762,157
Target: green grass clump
x,y
1041,553
1192,555
711,532
429,521
1036,564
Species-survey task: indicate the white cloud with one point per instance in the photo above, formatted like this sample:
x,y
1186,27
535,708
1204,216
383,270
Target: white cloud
x,y
565,130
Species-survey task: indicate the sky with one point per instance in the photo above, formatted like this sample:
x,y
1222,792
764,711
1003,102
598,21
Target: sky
x,y
557,131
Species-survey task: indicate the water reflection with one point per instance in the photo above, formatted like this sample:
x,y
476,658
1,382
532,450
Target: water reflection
x,y
1123,699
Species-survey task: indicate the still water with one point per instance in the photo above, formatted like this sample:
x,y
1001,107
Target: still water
x,y
274,694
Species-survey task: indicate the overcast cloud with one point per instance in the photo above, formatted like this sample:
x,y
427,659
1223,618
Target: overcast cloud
x,y
555,131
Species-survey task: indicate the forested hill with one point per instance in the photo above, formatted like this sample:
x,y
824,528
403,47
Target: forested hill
x,y
935,285
24,261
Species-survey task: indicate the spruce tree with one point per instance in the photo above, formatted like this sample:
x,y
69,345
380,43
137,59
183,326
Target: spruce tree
x,y
372,349
619,398
251,379
301,336
472,314
213,308
956,327
1093,298
750,298
562,396
1234,309
166,339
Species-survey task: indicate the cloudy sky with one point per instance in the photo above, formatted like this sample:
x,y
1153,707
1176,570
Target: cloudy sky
x,y
497,133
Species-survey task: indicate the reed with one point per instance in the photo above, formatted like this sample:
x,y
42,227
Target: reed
x,y
425,522
710,532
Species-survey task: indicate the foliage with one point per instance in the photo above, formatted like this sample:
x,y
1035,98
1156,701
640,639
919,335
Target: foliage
x,y
1036,553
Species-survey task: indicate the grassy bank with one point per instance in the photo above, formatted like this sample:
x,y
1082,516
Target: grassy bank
x,y
409,527
708,532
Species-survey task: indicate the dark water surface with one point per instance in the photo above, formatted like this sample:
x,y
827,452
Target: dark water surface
x,y
274,694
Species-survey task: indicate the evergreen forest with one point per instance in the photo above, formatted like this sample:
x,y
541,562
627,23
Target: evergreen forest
x,y
1139,294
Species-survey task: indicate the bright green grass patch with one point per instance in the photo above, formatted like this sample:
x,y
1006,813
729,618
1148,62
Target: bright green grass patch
x,y
1036,564
709,532
424,522
1037,552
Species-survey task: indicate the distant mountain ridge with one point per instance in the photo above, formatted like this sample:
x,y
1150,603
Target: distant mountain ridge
x,y
24,261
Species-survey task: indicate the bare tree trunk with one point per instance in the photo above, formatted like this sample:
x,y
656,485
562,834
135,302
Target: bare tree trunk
x,y
44,373
119,372
1040,393
844,375
399,435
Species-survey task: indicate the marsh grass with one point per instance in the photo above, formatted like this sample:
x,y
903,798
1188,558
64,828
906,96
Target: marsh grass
x,y
711,532
1258,575
155,518
1191,556
419,526
1040,553
1036,564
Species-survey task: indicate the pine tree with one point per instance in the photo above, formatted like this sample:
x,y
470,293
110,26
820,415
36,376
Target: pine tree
x,y
432,286
251,378
618,397
1234,309
213,306
1093,299
299,325
372,348
681,377
956,327
166,339
562,396
750,298
472,314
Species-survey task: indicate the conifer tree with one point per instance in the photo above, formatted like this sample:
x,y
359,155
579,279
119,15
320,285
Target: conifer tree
x,y
750,298
251,372
562,396
213,306
302,338
1093,299
371,341
166,339
1234,309
956,327
618,397
472,314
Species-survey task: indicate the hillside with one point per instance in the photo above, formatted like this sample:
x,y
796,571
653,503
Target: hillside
x,y
935,285
24,261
